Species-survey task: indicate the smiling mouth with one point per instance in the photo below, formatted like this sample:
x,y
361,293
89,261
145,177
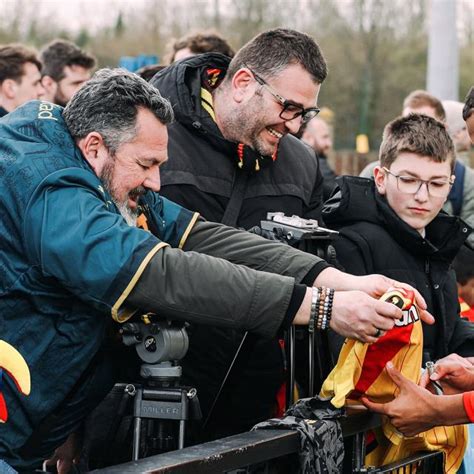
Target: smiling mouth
x,y
273,132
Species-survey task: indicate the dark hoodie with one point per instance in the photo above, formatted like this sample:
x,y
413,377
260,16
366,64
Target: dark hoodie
x,y
373,239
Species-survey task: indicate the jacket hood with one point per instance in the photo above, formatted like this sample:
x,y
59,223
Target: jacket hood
x,y
181,82
357,200
42,126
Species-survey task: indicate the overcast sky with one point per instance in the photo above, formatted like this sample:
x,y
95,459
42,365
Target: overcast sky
x,y
73,14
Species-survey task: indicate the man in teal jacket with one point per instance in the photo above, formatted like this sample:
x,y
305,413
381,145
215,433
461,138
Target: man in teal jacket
x,y
73,184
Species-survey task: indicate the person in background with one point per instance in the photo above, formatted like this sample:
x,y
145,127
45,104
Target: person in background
x,y
20,76
199,43
468,113
317,134
463,265
422,102
66,68
460,201
416,102
457,128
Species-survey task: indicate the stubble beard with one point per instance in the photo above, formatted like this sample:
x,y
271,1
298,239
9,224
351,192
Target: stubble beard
x,y
246,126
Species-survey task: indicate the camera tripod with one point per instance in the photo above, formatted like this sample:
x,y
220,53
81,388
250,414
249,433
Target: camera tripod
x,y
159,401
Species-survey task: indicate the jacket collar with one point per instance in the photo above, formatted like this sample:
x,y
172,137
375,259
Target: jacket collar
x,y
357,200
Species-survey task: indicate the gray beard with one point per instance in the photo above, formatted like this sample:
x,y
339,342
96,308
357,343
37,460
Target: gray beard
x,y
128,214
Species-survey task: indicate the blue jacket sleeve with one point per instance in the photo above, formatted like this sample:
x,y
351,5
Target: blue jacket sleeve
x,y
75,236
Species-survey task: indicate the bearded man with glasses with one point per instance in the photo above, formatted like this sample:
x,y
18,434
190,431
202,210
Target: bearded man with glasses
x,y
394,225
233,158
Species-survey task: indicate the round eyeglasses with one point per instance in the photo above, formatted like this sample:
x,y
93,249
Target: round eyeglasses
x,y
410,185
290,110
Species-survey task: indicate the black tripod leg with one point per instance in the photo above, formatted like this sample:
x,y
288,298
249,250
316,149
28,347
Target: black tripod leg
x,y
137,424
311,344
182,431
182,422
291,367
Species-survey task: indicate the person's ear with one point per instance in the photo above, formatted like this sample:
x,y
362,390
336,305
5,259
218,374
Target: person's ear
x,y
452,178
8,88
243,85
380,177
49,84
94,150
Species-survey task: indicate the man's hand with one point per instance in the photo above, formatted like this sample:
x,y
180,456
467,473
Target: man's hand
x,y
455,373
373,285
357,315
66,455
413,410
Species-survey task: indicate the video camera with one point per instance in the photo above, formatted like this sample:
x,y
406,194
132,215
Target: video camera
x,y
305,234
295,229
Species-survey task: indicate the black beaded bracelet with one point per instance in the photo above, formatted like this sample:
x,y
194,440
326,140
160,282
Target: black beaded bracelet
x,y
328,308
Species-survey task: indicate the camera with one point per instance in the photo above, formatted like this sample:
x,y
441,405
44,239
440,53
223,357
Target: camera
x,y
294,229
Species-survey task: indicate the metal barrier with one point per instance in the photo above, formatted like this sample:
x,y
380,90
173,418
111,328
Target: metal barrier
x,y
276,449
423,463
256,447
232,454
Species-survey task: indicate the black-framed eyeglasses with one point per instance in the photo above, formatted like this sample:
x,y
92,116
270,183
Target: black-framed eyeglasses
x,y
410,185
290,110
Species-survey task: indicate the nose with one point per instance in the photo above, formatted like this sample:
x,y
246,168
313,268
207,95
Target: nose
x,y
153,180
294,124
423,192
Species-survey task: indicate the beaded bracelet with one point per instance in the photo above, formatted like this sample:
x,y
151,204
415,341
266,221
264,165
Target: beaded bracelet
x,y
314,311
325,303
322,297
328,303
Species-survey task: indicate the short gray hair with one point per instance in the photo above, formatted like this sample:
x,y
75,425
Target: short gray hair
x,y
108,104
